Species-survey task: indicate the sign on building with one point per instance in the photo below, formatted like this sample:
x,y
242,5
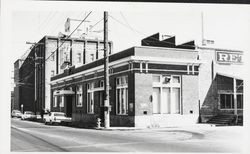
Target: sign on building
x,y
228,57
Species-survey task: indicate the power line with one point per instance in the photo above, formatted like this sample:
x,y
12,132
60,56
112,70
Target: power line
x,y
134,30
68,36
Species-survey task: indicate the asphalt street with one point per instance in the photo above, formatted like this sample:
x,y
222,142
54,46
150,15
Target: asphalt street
x,y
28,136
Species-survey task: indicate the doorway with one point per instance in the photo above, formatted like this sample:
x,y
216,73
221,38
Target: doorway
x,y
69,106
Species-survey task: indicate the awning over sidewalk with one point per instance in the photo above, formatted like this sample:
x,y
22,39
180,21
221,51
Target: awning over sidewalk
x,y
63,92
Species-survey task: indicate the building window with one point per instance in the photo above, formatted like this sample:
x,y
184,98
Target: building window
x,y
122,95
240,101
79,96
55,101
166,94
52,73
79,58
227,101
61,101
90,97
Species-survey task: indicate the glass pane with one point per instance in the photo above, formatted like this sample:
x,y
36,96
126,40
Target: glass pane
x,y
127,100
90,52
156,100
176,100
122,101
156,78
88,101
165,105
232,101
228,101
176,79
222,101
118,100
240,101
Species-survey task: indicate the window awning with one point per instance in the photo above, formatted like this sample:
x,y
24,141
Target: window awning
x,y
63,92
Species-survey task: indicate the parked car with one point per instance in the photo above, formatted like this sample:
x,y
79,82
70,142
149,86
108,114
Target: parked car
x,y
28,115
16,113
56,117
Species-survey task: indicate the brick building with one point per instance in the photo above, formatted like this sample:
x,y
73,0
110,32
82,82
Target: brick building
x,y
17,83
67,52
155,85
220,82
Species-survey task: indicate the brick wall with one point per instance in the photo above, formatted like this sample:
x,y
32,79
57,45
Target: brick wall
x,y
143,92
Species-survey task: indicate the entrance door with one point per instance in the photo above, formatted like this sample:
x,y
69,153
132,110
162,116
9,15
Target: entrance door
x,y
69,106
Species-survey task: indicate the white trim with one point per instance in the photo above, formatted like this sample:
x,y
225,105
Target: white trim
x,y
165,48
160,60
157,60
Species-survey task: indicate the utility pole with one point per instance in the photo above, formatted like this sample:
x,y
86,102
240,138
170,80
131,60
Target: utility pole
x,y
36,63
106,73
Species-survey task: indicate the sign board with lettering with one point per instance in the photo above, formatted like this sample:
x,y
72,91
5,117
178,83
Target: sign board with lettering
x,y
226,57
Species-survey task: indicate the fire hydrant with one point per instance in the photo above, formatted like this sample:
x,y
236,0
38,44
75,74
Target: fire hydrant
x,y
98,123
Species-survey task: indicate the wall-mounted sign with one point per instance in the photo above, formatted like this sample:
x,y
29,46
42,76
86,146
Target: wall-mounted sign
x,y
228,57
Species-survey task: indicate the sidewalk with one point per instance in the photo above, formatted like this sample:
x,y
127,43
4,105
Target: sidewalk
x,y
196,126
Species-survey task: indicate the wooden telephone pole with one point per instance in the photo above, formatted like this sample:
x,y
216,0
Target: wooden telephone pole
x,y
106,73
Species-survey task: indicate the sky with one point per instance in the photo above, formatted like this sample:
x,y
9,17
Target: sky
x,y
226,25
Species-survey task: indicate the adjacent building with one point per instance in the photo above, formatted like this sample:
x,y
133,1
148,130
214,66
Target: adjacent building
x,y
17,82
47,58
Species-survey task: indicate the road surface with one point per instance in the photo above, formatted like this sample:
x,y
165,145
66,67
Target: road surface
x,y
27,136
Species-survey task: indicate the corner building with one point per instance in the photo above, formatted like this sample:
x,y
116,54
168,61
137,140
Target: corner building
x,y
149,87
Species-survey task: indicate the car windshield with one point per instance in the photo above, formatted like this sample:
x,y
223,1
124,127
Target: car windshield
x,y
59,114
17,112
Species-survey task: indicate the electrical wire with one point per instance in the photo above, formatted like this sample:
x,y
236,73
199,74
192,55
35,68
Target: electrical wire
x,y
29,74
68,36
134,30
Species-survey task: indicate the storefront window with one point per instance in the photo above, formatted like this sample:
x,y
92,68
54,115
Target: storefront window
x,y
122,95
79,96
90,98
